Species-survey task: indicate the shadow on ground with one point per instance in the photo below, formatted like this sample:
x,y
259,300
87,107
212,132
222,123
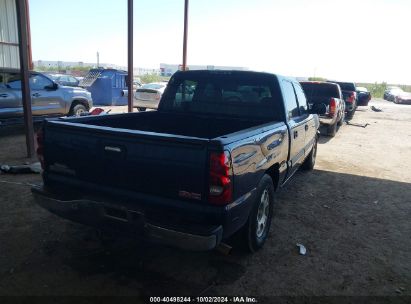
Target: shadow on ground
x,y
356,230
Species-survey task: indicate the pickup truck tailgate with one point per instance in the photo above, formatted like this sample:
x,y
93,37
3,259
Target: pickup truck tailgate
x,y
152,163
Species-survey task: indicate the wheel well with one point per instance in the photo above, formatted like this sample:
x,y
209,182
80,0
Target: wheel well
x,y
79,101
274,173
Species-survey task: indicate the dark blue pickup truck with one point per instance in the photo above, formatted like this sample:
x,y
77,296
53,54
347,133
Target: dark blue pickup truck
x,y
203,167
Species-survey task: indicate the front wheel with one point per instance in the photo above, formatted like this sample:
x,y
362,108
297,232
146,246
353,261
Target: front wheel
x,y
77,110
259,220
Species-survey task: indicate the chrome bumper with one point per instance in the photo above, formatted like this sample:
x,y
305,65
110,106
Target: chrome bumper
x,y
112,216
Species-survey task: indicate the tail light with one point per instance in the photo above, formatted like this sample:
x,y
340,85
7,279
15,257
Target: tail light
x,y
333,107
352,97
158,96
40,146
220,183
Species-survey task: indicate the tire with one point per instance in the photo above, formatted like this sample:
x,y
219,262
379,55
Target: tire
x,y
350,114
341,121
309,162
141,109
77,110
332,129
259,221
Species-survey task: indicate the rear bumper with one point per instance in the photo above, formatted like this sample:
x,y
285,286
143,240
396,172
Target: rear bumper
x,y
131,222
349,106
149,104
325,120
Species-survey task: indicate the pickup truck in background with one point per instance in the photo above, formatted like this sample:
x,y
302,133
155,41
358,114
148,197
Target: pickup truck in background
x,y
363,96
203,167
47,97
349,92
330,95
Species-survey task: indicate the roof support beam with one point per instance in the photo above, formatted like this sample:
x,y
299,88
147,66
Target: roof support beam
x,y
21,8
130,55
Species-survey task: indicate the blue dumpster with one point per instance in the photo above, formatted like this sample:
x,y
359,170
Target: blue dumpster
x,y
108,87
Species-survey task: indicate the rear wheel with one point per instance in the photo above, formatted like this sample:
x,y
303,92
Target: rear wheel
x,y
259,221
350,114
340,123
141,109
332,129
77,110
309,162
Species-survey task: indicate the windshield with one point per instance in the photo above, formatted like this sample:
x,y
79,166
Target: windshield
x,y
248,95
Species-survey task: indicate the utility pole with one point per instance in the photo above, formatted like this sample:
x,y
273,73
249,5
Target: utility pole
x,y
98,59
130,55
185,35
21,9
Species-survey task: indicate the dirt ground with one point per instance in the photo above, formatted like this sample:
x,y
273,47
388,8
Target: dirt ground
x,y
352,213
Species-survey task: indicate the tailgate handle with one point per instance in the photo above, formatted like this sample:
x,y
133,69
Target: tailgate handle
x,y
112,149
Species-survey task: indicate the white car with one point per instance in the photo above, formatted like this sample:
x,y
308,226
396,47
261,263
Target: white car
x,y
148,95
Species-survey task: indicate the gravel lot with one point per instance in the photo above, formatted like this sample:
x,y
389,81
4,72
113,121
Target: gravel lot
x,y
352,213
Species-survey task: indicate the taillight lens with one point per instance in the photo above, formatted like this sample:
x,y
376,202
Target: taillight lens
x,y
220,183
158,96
352,97
333,107
40,146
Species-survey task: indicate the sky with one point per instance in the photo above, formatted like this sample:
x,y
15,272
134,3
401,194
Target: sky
x,y
348,40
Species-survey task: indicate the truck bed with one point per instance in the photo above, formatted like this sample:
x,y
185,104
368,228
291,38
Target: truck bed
x,y
173,123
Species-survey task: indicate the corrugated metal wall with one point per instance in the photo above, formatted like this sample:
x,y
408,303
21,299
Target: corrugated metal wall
x,y
9,49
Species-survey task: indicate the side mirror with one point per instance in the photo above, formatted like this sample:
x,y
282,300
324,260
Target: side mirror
x,y
318,108
51,87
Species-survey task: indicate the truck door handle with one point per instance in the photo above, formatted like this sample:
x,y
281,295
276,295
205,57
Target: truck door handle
x,y
295,134
306,127
35,95
3,95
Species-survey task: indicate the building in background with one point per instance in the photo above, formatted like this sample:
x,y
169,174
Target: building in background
x,y
9,37
169,69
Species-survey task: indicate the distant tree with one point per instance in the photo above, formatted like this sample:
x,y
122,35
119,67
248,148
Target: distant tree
x,y
316,79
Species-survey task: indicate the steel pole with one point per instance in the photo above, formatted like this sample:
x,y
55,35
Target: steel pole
x,y
24,70
185,35
130,55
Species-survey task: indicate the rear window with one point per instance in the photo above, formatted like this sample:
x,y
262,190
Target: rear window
x,y
313,90
347,86
247,95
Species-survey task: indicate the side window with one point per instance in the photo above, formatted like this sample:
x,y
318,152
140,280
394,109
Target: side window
x,y
14,82
39,82
302,100
290,99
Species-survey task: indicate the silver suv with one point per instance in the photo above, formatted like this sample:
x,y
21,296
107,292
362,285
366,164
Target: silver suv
x,y
48,98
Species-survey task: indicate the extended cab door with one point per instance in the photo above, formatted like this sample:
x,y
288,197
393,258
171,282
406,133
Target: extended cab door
x,y
10,96
45,99
310,126
297,124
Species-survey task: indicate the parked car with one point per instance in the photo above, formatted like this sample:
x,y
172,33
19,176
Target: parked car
x,y
363,96
391,92
330,95
148,95
349,92
403,97
48,98
203,167
65,80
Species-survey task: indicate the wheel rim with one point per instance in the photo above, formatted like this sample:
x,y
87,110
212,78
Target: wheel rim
x,y
80,111
262,213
